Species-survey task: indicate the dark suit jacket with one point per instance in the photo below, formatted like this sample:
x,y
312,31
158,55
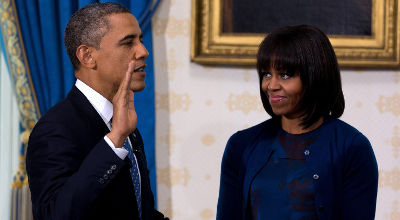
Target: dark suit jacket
x,y
74,174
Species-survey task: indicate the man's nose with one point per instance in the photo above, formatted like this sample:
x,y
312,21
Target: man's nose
x,y
141,52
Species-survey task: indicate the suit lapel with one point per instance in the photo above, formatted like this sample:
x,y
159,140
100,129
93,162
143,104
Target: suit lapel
x,y
96,129
138,150
87,111
137,146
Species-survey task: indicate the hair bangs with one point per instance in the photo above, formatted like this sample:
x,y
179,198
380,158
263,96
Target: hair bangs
x,y
279,54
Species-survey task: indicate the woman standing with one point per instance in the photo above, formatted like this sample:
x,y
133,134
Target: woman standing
x,y
303,163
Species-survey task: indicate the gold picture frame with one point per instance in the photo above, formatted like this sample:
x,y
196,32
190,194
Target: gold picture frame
x,y
210,46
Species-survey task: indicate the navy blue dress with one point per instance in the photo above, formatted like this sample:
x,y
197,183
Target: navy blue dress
x,y
283,188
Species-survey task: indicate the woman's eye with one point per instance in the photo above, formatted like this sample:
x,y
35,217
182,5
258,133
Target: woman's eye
x,y
285,75
266,74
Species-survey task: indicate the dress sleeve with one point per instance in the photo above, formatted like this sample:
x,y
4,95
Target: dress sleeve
x,y
230,190
360,180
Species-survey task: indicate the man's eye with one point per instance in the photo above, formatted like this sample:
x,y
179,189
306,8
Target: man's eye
x,y
128,43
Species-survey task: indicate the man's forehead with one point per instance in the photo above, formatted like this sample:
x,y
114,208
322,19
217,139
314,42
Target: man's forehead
x,y
126,19
124,23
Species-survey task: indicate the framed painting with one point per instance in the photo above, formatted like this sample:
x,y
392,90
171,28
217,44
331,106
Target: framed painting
x,y
364,33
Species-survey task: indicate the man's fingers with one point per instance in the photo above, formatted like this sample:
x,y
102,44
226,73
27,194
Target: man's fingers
x,y
131,99
128,75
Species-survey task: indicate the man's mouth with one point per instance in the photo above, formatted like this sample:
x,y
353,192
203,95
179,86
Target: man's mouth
x,y
140,69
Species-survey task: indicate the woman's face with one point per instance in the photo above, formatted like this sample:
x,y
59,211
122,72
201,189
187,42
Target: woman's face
x,y
284,91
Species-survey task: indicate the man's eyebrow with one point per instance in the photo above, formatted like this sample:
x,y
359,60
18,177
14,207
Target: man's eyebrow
x,y
130,36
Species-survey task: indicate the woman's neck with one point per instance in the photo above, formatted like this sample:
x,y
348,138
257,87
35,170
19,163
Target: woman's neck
x,y
292,125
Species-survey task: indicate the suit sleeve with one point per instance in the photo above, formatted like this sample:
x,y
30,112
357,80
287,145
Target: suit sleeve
x,y
230,189
360,183
64,180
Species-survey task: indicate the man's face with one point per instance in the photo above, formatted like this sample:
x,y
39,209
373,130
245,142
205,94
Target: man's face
x,y
120,45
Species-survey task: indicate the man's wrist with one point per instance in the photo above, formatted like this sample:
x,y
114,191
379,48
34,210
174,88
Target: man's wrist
x,y
117,140
120,152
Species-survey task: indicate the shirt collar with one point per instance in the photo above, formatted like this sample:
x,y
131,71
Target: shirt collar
x,y
101,104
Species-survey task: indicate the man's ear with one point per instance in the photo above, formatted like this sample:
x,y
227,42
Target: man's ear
x,y
84,54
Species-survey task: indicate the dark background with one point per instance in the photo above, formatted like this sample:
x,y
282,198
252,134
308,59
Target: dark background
x,y
334,17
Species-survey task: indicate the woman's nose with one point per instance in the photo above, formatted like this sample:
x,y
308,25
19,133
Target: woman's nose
x,y
274,83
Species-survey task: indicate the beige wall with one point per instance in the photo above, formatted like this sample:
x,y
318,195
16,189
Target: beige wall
x,y
199,107
9,138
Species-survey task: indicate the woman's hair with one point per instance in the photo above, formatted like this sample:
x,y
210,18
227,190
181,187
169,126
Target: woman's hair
x,y
305,50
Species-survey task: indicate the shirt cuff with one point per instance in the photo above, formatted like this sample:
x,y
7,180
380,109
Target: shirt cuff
x,y
120,152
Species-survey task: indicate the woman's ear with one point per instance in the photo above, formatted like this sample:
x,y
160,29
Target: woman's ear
x,y
84,55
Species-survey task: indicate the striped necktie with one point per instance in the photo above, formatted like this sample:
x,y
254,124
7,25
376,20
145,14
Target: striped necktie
x,y
135,176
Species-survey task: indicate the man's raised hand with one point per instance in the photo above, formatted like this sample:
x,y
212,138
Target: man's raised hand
x,y
124,117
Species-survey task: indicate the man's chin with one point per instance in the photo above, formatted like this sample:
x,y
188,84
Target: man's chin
x,y
138,88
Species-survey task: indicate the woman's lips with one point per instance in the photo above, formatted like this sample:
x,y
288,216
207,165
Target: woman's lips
x,y
276,98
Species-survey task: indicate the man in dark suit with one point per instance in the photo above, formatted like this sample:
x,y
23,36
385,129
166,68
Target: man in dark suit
x,y
80,166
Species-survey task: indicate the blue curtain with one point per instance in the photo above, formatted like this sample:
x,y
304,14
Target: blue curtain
x,y
42,24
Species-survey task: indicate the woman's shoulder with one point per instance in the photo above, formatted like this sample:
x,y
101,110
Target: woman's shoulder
x,y
341,127
248,136
244,139
345,134
256,130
